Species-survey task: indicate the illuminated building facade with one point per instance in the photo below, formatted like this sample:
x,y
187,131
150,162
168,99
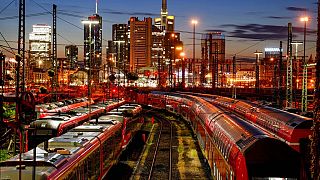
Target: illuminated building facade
x,y
71,53
120,43
140,43
39,53
93,46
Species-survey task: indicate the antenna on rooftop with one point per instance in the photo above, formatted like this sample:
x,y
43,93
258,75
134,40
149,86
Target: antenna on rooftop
x,y
96,6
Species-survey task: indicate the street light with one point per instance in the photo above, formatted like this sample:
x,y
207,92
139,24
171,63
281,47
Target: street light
x,y
194,22
304,80
257,53
89,22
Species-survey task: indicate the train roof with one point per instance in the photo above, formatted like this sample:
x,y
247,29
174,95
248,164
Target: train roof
x,y
290,119
43,158
103,121
85,109
62,117
88,128
114,113
108,119
45,123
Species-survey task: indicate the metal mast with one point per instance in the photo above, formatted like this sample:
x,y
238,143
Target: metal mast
x,y
20,87
234,76
54,52
305,73
289,68
315,149
280,83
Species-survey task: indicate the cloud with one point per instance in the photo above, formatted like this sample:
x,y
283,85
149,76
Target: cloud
x,y
262,31
214,30
277,17
257,31
109,11
291,8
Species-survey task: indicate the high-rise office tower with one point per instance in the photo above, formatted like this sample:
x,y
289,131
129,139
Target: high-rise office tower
x,y
71,53
120,43
40,54
157,49
165,22
40,47
140,43
93,45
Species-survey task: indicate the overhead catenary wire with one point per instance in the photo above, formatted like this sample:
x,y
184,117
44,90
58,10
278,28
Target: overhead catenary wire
x,y
7,6
28,15
7,43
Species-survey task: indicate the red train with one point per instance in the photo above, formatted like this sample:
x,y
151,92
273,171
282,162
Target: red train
x,y
290,128
47,109
55,125
85,152
234,148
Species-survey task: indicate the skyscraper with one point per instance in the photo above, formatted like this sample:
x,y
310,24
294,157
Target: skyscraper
x,y
93,46
40,53
71,53
165,22
40,46
120,43
140,43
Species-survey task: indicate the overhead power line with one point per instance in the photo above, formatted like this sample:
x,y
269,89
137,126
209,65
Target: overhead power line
x,y
7,42
7,6
28,15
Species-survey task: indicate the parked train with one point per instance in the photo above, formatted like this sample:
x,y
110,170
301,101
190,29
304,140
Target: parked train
x,y
85,152
55,125
234,148
290,128
48,109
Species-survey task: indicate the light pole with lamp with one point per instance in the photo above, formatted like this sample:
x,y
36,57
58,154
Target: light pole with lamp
x,y
305,78
89,41
194,23
257,85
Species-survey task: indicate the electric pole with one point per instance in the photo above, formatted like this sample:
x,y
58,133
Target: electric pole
x,y
315,149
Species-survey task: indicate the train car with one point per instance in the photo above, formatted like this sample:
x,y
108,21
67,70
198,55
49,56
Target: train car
x,y
86,152
234,148
130,125
131,120
130,110
47,109
55,125
290,128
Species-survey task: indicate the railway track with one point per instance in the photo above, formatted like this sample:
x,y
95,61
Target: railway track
x,y
171,152
158,163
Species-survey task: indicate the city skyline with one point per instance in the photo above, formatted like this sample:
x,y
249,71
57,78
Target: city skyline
x,y
252,25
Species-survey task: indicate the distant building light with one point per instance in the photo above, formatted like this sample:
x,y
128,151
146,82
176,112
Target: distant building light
x,y
272,49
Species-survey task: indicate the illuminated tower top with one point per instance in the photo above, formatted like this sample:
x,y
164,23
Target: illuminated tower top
x,y
165,22
164,6
96,6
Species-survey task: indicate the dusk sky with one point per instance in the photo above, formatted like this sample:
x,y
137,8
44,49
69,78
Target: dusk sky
x,y
248,25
